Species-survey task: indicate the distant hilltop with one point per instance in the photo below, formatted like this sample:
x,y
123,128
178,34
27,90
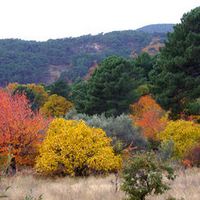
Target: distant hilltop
x,y
157,28
74,58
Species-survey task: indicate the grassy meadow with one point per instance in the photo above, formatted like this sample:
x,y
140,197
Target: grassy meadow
x,y
186,186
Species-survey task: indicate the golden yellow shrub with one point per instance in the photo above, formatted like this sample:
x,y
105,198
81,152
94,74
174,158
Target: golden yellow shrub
x,y
72,147
184,134
56,106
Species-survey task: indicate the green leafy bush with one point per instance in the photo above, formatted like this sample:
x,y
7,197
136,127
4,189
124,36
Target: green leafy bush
x,y
143,175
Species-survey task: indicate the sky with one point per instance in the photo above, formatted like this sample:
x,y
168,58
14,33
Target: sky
x,y
50,19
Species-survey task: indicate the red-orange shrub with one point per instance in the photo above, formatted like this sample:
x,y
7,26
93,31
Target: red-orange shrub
x,y
148,115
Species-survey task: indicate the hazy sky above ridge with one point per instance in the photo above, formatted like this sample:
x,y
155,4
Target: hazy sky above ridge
x,y
50,19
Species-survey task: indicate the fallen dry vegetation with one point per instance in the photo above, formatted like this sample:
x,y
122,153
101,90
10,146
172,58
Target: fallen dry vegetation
x,y
186,186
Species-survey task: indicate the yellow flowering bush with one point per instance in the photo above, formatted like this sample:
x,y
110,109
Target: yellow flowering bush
x,y
56,106
74,148
184,134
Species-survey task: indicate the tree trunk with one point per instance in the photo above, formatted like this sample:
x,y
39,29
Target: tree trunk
x,y
11,169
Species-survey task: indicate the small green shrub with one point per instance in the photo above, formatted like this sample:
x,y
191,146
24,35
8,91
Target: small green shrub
x,y
143,175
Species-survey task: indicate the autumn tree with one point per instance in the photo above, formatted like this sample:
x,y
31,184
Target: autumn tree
x,y
148,115
74,148
21,129
56,106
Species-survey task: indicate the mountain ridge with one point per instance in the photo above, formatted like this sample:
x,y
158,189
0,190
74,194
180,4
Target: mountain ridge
x,y
157,28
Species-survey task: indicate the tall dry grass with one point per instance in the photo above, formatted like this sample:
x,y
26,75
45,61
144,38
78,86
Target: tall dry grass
x,y
187,186
92,188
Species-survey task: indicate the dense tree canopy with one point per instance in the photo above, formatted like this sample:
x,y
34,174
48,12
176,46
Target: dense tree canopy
x,y
112,87
78,95
176,76
60,87
146,62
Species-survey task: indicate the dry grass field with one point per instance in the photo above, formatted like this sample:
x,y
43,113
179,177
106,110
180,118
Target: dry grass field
x,y
186,186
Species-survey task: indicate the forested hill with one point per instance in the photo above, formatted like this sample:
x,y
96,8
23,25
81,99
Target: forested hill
x,y
70,58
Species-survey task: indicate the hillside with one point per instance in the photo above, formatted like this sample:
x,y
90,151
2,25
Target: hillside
x,y
70,58
157,28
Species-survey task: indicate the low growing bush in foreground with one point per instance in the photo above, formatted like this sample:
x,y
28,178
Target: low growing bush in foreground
x,y
74,148
143,175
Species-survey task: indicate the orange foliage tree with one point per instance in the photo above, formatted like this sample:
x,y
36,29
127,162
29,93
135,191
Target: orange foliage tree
x,y
148,115
21,130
